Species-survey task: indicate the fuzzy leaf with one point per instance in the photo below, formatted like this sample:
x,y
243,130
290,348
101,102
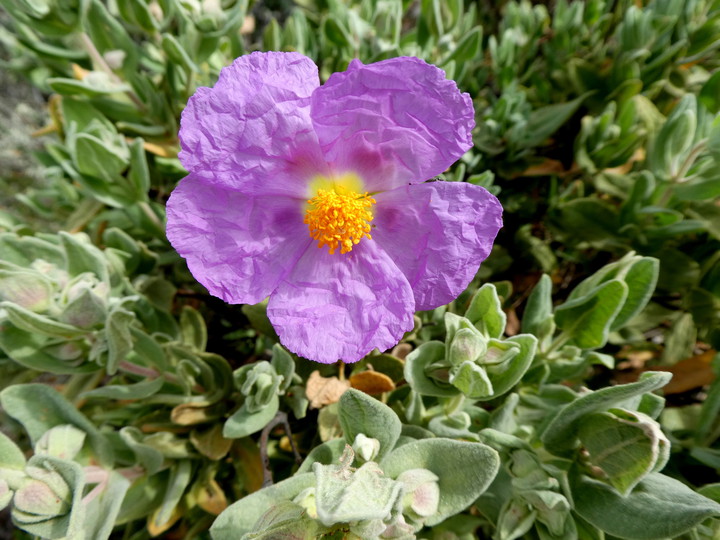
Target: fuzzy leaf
x,y
360,413
464,469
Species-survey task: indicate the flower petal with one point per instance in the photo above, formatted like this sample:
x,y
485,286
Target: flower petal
x,y
254,125
394,122
239,247
437,233
341,307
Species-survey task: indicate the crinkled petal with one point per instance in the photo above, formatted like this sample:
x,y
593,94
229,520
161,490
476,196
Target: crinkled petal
x,y
342,306
253,128
437,233
395,122
239,247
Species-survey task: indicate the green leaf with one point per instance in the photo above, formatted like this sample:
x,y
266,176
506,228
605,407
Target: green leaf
x,y
240,517
416,366
39,407
507,375
99,519
640,278
180,477
587,320
336,32
545,121
177,53
485,312
472,380
193,329
146,456
538,315
119,337
27,289
284,365
11,457
32,322
560,434
287,520
32,351
626,446
468,48
344,495
82,256
360,413
139,390
327,453
64,482
243,422
659,507
464,469
139,174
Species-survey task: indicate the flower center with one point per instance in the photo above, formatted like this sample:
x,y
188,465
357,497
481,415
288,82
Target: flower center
x,y
339,217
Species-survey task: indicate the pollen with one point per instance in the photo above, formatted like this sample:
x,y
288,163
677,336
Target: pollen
x,y
339,218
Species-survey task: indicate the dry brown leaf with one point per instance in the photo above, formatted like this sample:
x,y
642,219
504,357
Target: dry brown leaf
x,y
401,350
512,327
693,372
157,530
78,72
211,498
323,391
372,382
248,25
638,155
189,414
162,150
246,457
211,442
635,359
549,166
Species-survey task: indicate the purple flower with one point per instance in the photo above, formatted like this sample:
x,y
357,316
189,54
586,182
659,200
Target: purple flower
x,y
314,196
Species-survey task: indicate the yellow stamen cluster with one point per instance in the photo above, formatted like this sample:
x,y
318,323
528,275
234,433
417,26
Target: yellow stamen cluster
x,y
339,217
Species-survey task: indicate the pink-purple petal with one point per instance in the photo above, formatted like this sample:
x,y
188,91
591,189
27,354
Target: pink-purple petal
x,y
341,307
395,122
437,233
255,122
239,247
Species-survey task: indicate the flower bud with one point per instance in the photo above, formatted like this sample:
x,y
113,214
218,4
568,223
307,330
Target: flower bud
x,y
421,493
366,447
467,346
45,494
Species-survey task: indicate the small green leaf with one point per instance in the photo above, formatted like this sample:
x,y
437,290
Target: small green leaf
x,y
464,469
119,337
538,316
587,320
177,53
284,365
36,323
180,477
192,326
139,390
11,457
243,422
485,312
360,413
417,364
546,120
